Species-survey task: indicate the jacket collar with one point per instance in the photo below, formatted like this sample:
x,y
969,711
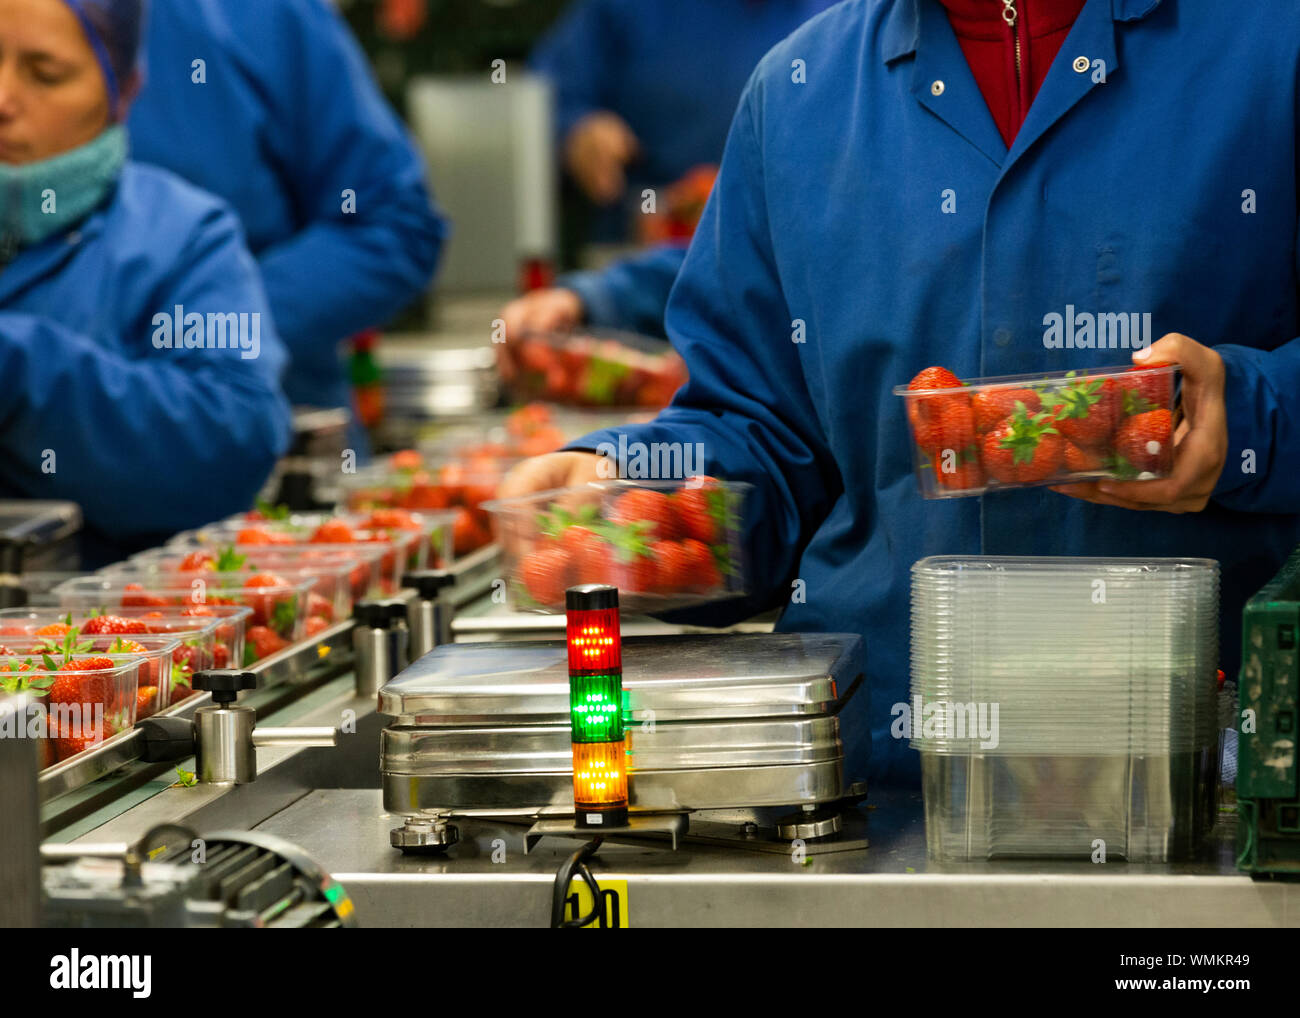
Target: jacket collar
x,y
901,27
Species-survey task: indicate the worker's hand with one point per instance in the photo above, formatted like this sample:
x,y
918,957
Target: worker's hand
x,y
1200,443
552,310
596,150
554,470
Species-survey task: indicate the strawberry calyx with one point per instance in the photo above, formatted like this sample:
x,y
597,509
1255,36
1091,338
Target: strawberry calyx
x,y
1025,431
1076,400
17,682
229,560
1136,403
271,512
283,616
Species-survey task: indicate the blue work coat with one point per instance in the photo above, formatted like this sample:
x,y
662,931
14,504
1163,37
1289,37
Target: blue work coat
x,y
672,69
632,293
288,126
103,406
828,268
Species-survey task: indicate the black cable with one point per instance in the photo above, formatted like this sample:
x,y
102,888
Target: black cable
x,y
575,863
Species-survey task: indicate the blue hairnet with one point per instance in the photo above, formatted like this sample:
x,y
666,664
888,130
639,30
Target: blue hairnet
x,y
114,29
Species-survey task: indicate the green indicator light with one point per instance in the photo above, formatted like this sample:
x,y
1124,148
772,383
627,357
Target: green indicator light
x,y
594,707
334,893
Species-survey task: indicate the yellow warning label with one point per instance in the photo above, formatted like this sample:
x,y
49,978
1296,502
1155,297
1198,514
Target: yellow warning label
x,y
613,913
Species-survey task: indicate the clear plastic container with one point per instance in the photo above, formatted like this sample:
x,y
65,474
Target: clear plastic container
x,y
1021,431
155,680
279,604
392,552
591,367
459,487
1061,701
333,579
664,544
362,562
427,535
211,636
70,709
35,589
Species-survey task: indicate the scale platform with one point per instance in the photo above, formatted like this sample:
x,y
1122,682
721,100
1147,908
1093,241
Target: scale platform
x,y
712,721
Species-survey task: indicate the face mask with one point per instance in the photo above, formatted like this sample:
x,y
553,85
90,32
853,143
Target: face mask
x,y
40,200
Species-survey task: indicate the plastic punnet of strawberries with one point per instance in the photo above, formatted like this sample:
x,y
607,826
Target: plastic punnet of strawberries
x,y
664,545
72,700
972,437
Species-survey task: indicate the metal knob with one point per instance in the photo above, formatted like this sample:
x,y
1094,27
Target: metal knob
x,y
381,641
428,614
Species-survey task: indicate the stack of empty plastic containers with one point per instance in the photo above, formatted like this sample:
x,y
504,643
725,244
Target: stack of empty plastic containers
x,y
1065,707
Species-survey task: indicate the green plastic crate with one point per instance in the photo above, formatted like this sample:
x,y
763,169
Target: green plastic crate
x,y
1268,792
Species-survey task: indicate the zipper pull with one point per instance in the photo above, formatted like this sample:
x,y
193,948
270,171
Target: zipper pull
x,y
1009,12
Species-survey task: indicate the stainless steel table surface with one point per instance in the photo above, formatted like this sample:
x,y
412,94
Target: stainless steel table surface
x,y
488,881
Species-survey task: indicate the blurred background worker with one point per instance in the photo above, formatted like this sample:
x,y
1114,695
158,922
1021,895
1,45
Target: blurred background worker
x,y
645,93
98,255
645,89
271,105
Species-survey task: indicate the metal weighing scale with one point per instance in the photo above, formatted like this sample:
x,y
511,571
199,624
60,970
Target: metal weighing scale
x,y
714,722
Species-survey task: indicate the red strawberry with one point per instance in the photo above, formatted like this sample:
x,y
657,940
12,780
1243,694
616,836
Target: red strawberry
x,y
944,423
636,573
654,507
703,569
130,599
544,574
1088,410
197,560
588,556
262,643
146,701
407,459
197,609
674,564
82,680
1144,444
1083,461
320,606
265,606
68,742
922,409
391,519
315,624
699,509
468,533
333,532
966,473
54,629
934,378
1145,390
1024,449
220,655
993,406
113,624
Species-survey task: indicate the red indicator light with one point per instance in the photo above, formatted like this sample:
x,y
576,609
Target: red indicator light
x,y
594,641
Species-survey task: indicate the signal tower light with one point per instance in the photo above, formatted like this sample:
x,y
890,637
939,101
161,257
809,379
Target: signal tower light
x,y
596,706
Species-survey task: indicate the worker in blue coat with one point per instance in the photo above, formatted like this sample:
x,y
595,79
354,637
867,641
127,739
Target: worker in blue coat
x,y
645,89
630,295
271,105
870,220
140,361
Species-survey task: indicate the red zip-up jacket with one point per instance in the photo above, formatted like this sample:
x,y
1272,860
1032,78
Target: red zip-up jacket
x,y
1007,75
